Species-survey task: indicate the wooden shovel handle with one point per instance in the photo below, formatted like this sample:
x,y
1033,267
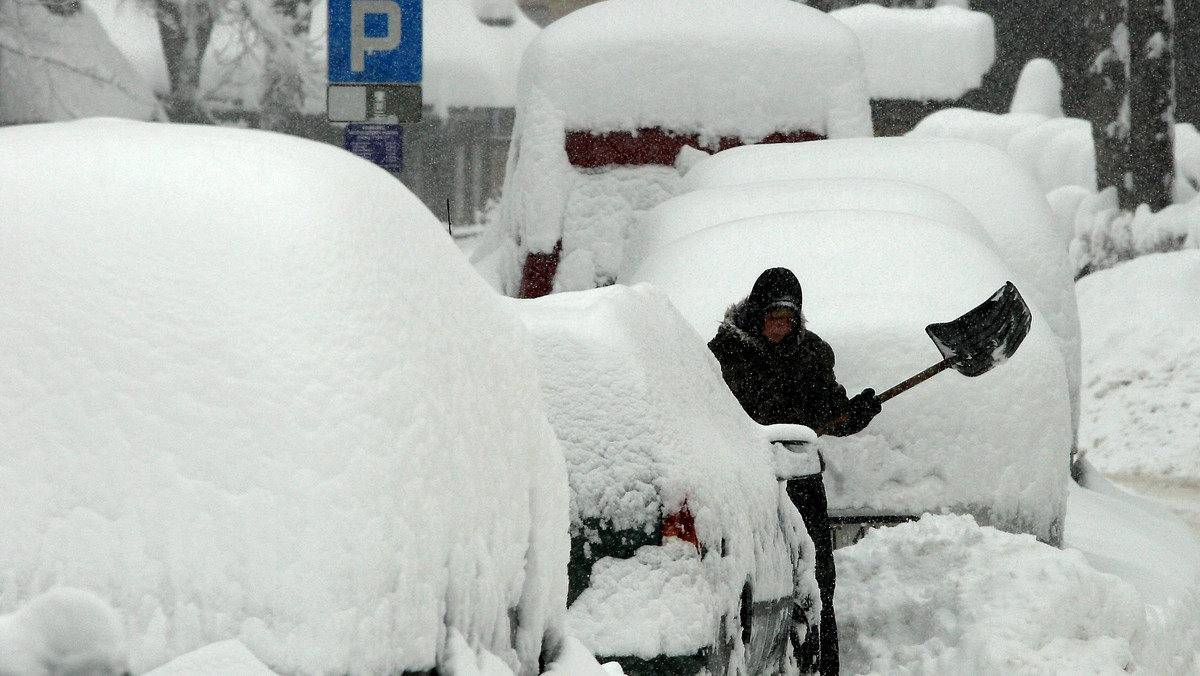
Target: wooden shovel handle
x,y
894,390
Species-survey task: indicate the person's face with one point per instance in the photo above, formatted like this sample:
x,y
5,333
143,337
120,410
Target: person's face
x,y
777,324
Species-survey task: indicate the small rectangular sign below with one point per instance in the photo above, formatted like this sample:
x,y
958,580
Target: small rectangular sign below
x,y
374,103
382,144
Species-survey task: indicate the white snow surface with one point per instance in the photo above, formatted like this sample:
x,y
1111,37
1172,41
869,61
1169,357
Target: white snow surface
x,y
1141,365
65,67
1058,151
945,596
63,632
695,210
921,54
238,400
1039,89
998,191
742,68
718,68
224,658
996,445
647,421
468,63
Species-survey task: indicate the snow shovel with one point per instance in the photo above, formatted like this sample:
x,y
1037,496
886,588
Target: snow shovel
x,y
973,344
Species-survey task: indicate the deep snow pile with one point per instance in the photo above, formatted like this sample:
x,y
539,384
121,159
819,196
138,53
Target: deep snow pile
x,y
996,445
227,357
992,186
921,54
945,596
740,70
1141,365
648,427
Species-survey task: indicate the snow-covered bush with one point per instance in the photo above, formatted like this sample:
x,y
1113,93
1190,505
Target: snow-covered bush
x,y
1060,153
60,65
249,388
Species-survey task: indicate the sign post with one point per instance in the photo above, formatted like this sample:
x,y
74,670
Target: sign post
x,y
374,74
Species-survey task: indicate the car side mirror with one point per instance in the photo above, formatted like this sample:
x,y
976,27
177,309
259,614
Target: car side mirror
x,y
787,434
794,455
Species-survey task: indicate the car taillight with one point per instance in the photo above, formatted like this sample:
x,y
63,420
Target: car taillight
x,y
681,525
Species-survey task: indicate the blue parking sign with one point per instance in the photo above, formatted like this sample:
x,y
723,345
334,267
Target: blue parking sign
x,y
375,41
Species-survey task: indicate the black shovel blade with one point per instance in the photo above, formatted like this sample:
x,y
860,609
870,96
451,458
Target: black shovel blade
x,y
987,335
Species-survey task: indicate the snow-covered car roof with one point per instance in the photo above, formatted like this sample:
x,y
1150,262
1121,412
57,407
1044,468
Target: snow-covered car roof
x,y
995,445
251,389
1001,194
706,73
698,209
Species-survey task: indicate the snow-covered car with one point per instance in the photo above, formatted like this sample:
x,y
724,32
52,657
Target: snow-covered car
x,y
250,389
686,557
995,446
698,209
614,96
999,192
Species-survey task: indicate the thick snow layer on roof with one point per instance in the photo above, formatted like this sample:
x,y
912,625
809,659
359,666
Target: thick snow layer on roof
x,y
65,67
468,63
238,399
992,186
944,596
923,54
648,426
1141,365
996,445
698,209
743,68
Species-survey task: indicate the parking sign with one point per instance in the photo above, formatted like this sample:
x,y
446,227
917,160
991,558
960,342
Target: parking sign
x,y
375,41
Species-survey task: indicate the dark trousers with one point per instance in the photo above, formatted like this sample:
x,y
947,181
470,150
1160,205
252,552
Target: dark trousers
x,y
808,495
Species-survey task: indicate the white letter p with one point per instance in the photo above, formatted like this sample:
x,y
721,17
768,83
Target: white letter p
x,y
360,44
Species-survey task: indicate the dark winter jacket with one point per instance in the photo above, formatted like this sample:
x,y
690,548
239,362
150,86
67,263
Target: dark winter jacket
x,y
791,381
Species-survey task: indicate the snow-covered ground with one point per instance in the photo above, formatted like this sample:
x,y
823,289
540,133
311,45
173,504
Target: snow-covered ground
x,y
944,596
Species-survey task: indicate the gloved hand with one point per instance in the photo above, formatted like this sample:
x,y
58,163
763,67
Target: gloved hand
x,y
862,408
